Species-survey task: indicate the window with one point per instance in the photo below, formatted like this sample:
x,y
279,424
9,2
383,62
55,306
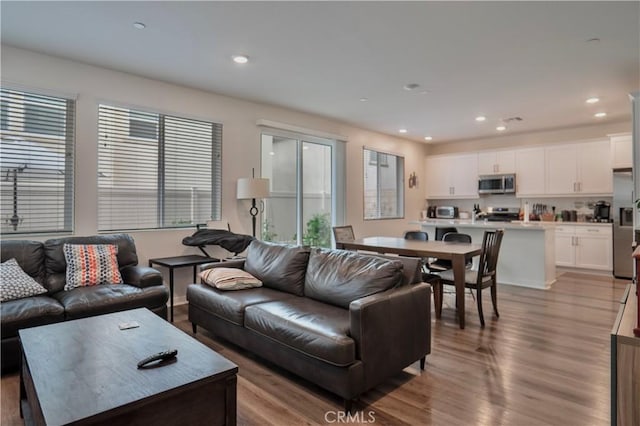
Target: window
x,y
156,170
306,174
36,162
383,185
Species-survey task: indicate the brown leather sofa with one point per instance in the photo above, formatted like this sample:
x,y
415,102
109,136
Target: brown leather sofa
x,y
343,320
46,264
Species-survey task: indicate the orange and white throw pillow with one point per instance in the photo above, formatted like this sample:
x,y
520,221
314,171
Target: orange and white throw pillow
x,y
91,264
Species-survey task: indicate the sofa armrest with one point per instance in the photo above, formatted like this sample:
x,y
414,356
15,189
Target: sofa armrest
x,y
141,276
391,329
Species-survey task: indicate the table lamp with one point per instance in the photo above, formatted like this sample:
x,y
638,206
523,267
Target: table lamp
x,y
252,188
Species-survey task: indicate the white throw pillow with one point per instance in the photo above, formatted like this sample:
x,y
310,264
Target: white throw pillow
x,y
17,284
229,279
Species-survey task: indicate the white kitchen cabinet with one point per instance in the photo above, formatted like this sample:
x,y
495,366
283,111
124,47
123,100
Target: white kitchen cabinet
x,y
529,168
437,183
452,176
583,246
621,150
594,248
565,249
578,169
496,162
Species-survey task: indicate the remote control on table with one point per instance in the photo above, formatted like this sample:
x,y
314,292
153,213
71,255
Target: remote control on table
x,y
160,356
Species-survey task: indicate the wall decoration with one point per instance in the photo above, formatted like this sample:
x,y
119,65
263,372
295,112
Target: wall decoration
x,y
413,180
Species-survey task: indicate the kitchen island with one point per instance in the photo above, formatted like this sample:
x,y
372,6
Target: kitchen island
x,y
527,255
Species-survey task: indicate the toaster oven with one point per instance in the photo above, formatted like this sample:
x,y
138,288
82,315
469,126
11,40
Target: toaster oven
x,y
446,212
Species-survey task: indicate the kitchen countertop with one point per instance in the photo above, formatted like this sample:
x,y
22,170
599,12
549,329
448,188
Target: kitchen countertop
x,y
516,224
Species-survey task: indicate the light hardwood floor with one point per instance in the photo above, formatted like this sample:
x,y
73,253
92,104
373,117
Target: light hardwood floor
x,y
544,362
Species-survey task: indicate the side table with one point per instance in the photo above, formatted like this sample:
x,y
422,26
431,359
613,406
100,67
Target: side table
x,y
179,262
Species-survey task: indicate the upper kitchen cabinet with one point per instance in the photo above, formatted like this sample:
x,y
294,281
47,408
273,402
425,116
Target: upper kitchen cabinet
x,y
496,162
451,176
579,169
530,168
621,151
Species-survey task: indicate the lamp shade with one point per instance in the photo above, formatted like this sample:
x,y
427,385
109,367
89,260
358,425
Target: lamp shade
x,y
252,188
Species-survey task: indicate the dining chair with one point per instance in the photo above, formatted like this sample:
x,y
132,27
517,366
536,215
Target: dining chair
x,y
416,235
441,231
343,233
440,265
478,280
427,276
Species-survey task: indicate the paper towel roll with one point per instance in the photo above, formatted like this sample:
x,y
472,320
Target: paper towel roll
x,y
526,211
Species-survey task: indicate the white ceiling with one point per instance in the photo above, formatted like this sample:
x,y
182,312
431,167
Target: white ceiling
x,y
498,59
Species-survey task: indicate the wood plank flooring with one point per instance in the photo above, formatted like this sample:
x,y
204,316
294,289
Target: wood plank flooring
x,y
545,361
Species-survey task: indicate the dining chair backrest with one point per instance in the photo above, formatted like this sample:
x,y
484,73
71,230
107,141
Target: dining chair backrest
x,y
457,237
489,256
441,231
416,235
343,233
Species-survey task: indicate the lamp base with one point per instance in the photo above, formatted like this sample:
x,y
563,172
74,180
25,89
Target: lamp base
x,y
253,211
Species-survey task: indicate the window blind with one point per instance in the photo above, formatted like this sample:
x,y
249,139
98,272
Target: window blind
x,y
36,162
156,170
383,185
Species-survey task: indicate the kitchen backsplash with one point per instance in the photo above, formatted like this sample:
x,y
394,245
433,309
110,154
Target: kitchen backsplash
x,y
581,205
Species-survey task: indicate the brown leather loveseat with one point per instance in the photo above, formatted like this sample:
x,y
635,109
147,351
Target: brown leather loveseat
x,y
45,263
342,320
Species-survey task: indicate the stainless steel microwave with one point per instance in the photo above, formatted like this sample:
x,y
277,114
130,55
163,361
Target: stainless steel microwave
x,y
497,184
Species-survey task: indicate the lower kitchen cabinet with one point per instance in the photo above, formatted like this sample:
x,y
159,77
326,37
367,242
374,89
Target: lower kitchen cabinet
x,y
584,246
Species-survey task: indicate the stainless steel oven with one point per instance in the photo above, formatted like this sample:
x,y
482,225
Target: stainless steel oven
x,y
497,184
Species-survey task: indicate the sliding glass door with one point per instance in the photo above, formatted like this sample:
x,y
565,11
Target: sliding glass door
x,y
304,182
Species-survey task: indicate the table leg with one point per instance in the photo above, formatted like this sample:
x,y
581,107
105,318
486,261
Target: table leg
x,y
458,278
195,267
171,290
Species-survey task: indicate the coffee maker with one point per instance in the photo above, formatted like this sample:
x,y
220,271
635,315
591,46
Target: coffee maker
x,y
602,212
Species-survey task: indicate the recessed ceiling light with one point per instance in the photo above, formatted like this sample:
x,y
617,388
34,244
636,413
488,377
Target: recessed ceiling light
x,y
240,59
305,147
364,99
402,131
592,100
411,86
272,153
481,118
428,138
501,128
139,25
600,114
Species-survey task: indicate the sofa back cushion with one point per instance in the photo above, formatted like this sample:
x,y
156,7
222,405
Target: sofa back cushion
x,y
339,277
278,266
56,265
411,267
29,255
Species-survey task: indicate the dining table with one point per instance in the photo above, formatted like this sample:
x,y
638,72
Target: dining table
x,y
456,252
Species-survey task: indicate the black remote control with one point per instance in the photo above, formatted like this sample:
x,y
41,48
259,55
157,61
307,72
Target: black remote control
x,y
160,356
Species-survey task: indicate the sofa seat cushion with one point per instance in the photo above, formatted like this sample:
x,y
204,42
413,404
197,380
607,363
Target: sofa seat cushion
x,y
83,302
313,328
230,305
29,312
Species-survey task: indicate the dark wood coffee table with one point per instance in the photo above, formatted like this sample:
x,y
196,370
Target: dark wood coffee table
x,y
85,372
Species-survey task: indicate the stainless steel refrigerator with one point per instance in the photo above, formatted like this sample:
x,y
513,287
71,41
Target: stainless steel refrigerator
x,y
622,223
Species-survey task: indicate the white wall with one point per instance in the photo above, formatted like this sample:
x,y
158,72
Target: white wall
x,y
241,143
